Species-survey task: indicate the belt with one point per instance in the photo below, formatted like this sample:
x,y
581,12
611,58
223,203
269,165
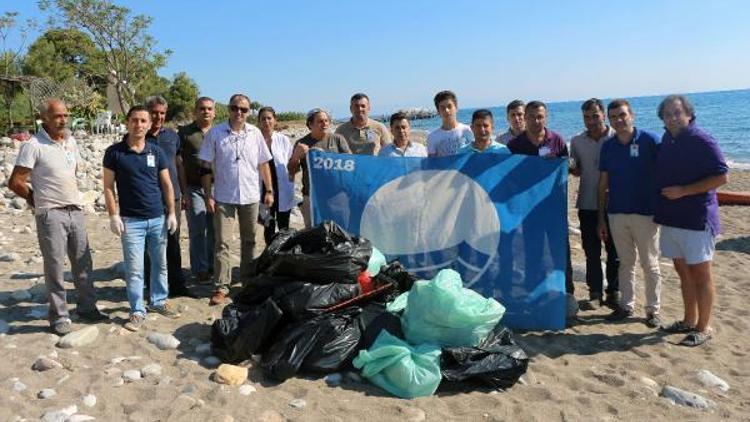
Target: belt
x,y
68,208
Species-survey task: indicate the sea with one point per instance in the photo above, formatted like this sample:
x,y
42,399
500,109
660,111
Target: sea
x,y
724,114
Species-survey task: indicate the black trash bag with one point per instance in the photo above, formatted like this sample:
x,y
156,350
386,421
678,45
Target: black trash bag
x,y
321,254
323,344
396,274
299,300
259,288
496,362
243,331
262,262
373,320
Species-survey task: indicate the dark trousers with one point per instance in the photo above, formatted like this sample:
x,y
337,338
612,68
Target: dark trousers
x,y
278,218
592,247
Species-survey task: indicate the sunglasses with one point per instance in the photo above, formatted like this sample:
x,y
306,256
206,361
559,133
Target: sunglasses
x,y
235,109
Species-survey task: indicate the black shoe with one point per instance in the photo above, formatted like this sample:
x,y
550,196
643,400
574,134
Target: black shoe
x,y
181,291
589,305
92,316
612,300
619,314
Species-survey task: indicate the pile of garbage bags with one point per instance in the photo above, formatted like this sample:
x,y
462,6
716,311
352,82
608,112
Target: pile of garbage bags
x,y
323,301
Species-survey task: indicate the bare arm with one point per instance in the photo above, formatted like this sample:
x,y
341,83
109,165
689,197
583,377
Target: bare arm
x,y
182,178
602,204
702,186
19,184
208,197
108,180
300,150
167,190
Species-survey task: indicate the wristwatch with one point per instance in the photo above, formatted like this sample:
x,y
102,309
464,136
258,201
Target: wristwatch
x,y
269,190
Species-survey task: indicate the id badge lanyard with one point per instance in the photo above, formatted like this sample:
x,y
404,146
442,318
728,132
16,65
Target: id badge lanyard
x,y
633,150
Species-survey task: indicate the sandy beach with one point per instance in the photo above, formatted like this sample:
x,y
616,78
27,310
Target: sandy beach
x,y
593,371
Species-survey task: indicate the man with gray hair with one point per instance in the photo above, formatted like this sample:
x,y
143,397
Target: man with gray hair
x,y
168,140
50,159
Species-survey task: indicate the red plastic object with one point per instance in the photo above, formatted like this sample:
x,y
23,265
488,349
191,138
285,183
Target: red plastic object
x,y
365,282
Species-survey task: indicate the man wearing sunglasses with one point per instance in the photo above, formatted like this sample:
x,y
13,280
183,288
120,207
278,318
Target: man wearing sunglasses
x,y
236,154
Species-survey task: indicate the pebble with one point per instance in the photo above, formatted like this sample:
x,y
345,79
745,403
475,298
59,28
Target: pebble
x,y
412,414
230,374
9,257
686,398
44,364
151,370
211,361
82,337
298,404
650,384
21,295
163,341
131,375
80,418
61,415
89,400
46,393
18,386
271,416
38,312
333,380
203,349
4,327
712,381
119,359
63,379
246,390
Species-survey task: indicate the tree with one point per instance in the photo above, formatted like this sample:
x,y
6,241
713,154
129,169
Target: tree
x,y
11,59
181,97
64,54
128,50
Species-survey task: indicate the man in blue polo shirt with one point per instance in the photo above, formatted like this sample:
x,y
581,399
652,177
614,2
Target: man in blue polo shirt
x,y
690,167
481,126
627,163
140,171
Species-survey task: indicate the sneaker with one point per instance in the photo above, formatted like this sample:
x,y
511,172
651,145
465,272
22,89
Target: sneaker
x,y
165,310
218,298
590,305
619,314
62,326
653,320
696,338
135,322
92,316
677,327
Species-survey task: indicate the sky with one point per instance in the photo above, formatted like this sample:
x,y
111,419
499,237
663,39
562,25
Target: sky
x,y
296,55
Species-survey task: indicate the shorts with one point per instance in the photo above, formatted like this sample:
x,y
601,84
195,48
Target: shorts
x,y
694,246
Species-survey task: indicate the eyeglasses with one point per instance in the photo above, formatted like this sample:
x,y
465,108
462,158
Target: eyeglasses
x,y
235,109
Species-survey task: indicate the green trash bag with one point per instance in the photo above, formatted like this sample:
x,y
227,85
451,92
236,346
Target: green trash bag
x,y
402,370
443,312
376,262
398,304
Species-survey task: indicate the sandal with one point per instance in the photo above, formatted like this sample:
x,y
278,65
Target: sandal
x,y
696,338
677,327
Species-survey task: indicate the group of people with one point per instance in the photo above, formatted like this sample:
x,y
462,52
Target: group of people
x,y
632,184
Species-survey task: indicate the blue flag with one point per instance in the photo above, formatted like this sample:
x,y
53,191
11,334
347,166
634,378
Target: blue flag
x,y
499,220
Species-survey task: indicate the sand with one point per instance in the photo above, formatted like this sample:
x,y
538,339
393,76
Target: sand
x,y
593,371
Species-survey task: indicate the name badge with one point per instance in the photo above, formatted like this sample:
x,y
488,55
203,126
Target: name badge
x,y
151,160
545,151
634,150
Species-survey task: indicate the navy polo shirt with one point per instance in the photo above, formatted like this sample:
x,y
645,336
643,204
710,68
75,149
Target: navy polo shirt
x,y
631,178
169,142
137,178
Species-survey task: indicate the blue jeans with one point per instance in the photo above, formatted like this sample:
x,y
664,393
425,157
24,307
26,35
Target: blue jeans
x,y
201,229
138,233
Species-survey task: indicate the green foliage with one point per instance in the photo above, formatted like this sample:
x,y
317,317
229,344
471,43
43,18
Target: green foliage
x,y
222,112
11,61
64,54
181,97
286,116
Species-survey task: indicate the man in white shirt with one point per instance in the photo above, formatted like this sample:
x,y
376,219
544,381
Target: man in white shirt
x,y
238,156
451,135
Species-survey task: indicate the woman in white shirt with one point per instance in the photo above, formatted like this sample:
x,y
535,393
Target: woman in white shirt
x,y
283,188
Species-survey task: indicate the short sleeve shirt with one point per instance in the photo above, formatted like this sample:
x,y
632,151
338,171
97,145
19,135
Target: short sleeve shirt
x,y
139,190
331,143
413,149
691,156
191,139
494,147
441,142
364,140
552,145
631,168
585,151
505,137
169,142
53,170
235,157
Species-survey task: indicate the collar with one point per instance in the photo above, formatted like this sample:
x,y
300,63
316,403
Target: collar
x,y
367,125
228,128
42,135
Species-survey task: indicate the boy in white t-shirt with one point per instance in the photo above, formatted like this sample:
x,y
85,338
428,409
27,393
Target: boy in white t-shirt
x,y
451,135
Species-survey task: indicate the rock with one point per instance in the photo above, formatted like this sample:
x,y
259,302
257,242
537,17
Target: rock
x,y
412,414
82,337
4,327
652,385
271,416
38,312
89,197
151,370
80,418
89,400
61,415
46,393
131,375
44,364
247,389
18,203
333,380
27,230
203,349
298,404
712,381
211,361
18,386
163,341
21,295
230,374
686,398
